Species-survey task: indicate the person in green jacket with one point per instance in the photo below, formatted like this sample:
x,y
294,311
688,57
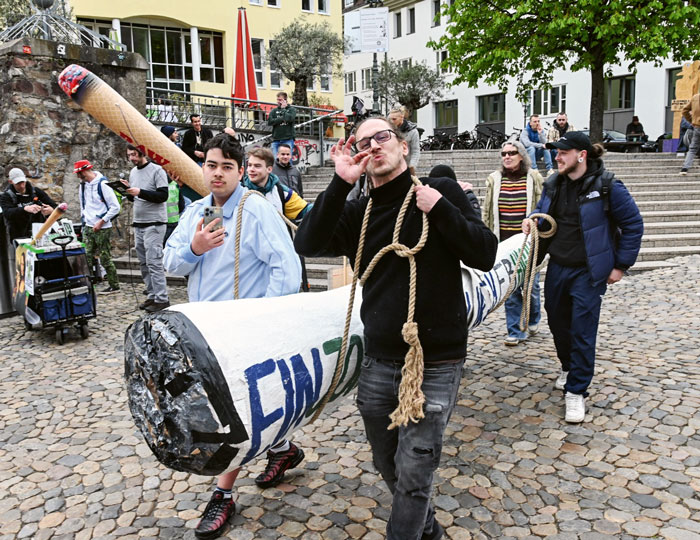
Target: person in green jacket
x,y
282,120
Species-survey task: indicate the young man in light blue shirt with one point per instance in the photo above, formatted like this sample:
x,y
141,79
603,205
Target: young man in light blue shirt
x,y
268,267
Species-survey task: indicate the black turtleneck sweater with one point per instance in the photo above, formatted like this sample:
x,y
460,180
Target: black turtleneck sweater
x,y
332,228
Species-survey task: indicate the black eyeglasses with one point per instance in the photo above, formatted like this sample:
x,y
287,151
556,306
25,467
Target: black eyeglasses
x,y
381,137
505,153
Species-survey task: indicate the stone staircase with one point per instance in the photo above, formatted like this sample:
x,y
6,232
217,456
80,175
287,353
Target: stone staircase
x,y
670,204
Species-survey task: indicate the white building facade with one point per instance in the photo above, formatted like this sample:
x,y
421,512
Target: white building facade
x,y
647,93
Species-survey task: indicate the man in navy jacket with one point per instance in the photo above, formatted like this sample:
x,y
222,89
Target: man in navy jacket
x,y
599,232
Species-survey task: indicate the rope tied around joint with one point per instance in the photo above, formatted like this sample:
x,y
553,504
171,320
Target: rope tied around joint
x,y
531,266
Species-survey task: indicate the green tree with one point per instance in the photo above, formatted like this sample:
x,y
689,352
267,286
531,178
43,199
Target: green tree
x,y
412,85
302,51
496,40
13,11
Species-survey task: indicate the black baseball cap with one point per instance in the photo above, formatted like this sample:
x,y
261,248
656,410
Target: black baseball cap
x,y
576,140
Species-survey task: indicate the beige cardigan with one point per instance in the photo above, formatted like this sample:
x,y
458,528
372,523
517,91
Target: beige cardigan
x,y
493,189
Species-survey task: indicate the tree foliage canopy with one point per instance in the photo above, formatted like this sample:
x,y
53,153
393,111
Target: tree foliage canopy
x,y
302,51
13,11
495,40
413,85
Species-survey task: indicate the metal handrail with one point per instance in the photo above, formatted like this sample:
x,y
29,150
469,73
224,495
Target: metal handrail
x,y
218,111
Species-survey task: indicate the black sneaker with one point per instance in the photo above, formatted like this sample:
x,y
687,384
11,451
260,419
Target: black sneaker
x,y
277,464
156,306
109,289
146,303
215,516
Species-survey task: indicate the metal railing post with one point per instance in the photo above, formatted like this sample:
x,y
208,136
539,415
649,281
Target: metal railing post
x,y
320,140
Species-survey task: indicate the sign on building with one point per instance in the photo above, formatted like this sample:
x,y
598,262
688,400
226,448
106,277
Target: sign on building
x,y
367,30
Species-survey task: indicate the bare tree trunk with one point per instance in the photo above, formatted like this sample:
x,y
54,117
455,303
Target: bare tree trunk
x,y
597,102
300,97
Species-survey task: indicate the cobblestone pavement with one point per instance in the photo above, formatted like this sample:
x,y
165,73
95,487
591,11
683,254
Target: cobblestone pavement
x,y
72,464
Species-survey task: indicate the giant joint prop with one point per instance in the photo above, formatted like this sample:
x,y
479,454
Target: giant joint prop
x,y
212,385
104,104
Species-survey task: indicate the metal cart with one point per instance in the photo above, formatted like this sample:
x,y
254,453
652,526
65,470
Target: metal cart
x,y
54,288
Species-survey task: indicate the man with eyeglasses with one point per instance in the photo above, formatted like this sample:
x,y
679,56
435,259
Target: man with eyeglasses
x,y
406,456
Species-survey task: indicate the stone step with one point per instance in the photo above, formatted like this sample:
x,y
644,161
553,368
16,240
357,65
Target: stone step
x,y
133,275
670,240
655,205
662,253
669,195
670,227
667,216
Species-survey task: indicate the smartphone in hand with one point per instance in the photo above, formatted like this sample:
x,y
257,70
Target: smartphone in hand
x,y
211,213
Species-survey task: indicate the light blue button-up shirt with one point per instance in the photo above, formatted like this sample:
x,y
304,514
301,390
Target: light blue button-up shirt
x,y
268,264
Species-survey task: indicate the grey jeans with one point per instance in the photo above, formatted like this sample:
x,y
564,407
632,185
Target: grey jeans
x,y
407,457
693,150
149,250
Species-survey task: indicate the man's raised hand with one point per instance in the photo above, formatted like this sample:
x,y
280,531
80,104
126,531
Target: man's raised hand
x,y
347,166
206,239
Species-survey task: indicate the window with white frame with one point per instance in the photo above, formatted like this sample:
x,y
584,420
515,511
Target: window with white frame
x,y
275,74
323,6
350,82
436,12
255,2
349,3
367,79
440,57
306,5
311,83
273,3
325,77
618,93
258,51
411,21
168,51
397,24
548,101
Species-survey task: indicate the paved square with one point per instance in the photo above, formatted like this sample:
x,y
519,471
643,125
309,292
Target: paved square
x,y
73,465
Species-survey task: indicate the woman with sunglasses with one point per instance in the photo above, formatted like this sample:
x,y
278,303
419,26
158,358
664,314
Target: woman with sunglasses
x,y
512,194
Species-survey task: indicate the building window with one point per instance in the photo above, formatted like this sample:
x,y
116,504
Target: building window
x,y
672,80
446,114
257,46
311,83
323,6
350,83
168,52
436,12
411,29
548,101
306,5
325,77
255,2
275,75
397,24
441,56
367,79
273,3
492,108
619,93
349,3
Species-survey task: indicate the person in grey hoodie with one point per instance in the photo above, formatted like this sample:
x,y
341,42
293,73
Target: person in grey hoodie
x,y
409,133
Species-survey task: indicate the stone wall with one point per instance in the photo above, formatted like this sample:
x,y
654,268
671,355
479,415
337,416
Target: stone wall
x,y
44,132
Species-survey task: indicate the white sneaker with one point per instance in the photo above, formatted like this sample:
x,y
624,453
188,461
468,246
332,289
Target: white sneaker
x,y
512,341
575,408
561,380
533,329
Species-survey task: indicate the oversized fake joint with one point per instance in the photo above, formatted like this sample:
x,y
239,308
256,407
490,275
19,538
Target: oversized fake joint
x,y
213,385
104,104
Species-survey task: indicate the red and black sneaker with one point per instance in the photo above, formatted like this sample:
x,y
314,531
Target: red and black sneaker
x,y
215,516
277,463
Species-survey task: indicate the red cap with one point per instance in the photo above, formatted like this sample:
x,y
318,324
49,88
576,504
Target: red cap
x,y
81,165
